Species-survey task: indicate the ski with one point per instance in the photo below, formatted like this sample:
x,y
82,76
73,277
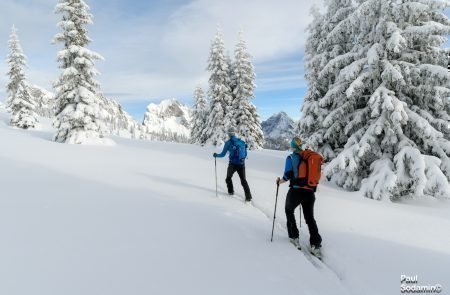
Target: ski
x,y
296,243
318,256
316,262
236,197
299,248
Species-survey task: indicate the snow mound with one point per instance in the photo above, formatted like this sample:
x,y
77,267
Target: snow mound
x,y
90,138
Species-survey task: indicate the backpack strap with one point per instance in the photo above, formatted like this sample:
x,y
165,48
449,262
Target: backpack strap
x,y
304,155
295,165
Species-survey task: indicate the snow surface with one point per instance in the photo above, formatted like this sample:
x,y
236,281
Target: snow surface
x,y
142,218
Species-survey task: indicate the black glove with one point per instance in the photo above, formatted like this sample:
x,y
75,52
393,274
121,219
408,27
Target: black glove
x,y
215,155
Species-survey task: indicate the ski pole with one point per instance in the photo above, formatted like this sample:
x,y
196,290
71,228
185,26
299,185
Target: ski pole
x,y
275,211
215,164
300,209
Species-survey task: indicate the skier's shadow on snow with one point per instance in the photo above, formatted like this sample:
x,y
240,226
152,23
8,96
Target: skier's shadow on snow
x,y
179,182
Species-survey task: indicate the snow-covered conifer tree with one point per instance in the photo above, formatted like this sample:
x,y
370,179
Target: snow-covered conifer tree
x,y
396,110
20,103
247,118
327,52
22,108
17,62
313,115
231,74
78,115
230,116
219,94
199,115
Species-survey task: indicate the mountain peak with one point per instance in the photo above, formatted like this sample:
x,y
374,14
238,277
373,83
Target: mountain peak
x,y
278,130
169,116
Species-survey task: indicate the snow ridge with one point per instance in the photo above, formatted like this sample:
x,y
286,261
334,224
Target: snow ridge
x,y
168,119
278,131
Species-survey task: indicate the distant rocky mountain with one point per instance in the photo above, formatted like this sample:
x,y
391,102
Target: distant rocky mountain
x,y
45,100
118,121
278,131
168,120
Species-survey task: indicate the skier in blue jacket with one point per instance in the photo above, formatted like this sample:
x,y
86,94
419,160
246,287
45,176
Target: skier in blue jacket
x,y
236,162
299,196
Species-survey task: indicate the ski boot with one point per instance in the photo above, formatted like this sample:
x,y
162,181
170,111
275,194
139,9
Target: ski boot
x,y
315,250
296,243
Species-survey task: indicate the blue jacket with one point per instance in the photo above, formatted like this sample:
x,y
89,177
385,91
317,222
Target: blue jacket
x,y
227,148
291,168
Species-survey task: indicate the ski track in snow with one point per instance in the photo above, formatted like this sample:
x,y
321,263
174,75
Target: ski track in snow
x,y
142,218
304,235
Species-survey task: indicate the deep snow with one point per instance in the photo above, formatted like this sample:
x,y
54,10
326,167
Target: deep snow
x,y
142,218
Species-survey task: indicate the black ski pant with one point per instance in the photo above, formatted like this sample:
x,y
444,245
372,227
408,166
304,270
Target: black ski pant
x,y
306,198
240,169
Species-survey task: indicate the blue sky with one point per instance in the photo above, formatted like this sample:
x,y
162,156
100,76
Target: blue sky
x,y
158,49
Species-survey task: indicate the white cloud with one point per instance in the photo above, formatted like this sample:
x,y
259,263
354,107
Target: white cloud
x,y
272,28
165,55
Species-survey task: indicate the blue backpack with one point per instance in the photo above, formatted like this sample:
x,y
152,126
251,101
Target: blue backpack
x,y
238,152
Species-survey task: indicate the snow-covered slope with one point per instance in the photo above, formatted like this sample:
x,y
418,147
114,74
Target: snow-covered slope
x,y
123,220
168,118
45,100
278,130
118,121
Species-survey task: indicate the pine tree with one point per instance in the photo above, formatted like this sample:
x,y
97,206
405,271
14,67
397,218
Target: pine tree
x,y
23,109
247,119
199,113
328,50
231,74
17,62
313,114
396,110
230,116
219,94
78,115
20,103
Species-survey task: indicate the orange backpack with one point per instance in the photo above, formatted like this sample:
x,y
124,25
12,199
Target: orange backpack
x,y
309,170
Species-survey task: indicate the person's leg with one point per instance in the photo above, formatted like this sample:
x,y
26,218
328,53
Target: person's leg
x,y
230,171
241,173
292,201
307,200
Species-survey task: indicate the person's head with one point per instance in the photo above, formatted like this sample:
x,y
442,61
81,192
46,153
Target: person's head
x,y
296,144
231,132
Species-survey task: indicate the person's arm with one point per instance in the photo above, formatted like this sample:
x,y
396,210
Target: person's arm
x,y
224,151
288,172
